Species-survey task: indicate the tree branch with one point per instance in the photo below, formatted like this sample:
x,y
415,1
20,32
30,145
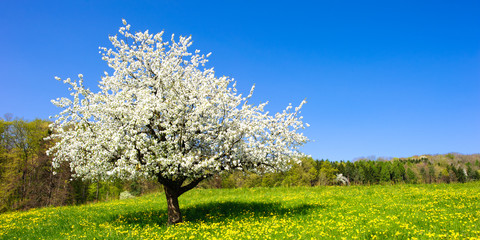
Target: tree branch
x,y
191,185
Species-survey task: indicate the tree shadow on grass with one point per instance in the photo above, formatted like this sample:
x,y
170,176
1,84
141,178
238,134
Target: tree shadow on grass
x,y
216,212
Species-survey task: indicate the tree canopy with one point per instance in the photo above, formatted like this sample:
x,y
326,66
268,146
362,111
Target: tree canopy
x,y
163,115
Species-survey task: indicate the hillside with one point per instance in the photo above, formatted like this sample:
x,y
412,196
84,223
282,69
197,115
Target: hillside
x,y
438,168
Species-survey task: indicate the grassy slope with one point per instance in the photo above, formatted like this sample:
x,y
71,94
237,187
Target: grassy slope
x,y
364,212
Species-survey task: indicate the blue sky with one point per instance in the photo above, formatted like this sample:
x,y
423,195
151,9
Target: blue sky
x,y
382,78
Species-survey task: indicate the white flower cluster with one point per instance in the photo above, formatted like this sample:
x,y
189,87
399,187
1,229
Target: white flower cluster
x,y
160,115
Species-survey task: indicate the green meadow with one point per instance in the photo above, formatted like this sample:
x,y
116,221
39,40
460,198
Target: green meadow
x,y
436,211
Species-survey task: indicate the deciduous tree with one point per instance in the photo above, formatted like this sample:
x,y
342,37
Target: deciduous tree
x,y
161,114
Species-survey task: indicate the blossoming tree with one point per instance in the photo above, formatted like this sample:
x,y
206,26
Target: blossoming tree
x,y
159,115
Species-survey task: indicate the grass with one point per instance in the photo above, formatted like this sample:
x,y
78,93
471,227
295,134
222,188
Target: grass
x,y
444,211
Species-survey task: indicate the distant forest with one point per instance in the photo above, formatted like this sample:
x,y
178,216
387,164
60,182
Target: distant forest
x,y
441,168
27,179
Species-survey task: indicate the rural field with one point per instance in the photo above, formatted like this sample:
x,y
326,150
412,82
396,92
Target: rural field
x,y
443,211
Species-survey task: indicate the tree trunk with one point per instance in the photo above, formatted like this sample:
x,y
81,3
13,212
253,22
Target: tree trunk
x,y
98,189
173,190
174,214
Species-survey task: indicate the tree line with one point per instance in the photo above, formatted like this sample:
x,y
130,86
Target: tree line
x,y
27,179
446,168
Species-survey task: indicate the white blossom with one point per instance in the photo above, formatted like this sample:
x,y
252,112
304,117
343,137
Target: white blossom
x,y
159,113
